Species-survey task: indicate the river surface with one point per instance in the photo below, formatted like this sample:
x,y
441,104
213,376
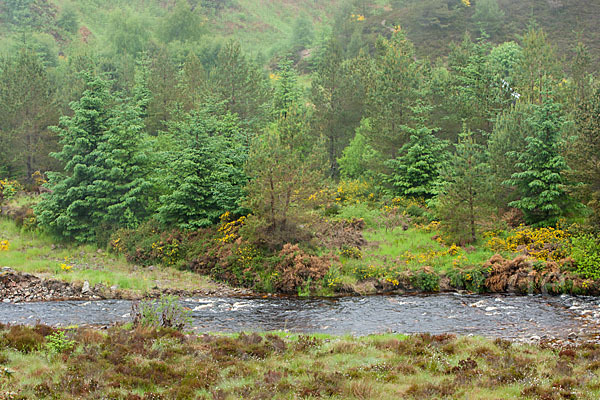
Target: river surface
x,y
511,317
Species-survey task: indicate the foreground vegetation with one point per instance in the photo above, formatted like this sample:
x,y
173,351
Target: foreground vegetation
x,y
139,363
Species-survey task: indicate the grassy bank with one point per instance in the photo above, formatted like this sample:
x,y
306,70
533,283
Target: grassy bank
x,y
127,363
36,253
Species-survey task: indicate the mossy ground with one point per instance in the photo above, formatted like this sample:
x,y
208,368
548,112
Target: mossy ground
x,y
126,363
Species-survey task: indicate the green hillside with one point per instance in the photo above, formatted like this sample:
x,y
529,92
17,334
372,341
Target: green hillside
x,y
267,28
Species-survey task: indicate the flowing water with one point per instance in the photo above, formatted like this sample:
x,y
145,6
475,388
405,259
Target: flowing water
x,y
511,317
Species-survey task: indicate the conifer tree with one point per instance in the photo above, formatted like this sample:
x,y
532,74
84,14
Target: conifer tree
x,y
336,92
539,67
585,153
464,197
540,183
104,185
415,173
282,176
69,210
241,84
203,171
394,88
287,93
27,107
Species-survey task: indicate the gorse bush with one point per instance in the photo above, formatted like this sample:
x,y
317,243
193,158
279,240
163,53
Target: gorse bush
x,y
542,243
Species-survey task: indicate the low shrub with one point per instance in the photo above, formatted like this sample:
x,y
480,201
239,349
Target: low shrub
x,y
426,281
585,252
23,339
58,343
296,268
544,244
166,312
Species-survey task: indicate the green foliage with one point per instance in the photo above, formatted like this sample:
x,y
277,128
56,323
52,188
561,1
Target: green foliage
x,y
282,176
372,217
104,183
128,33
27,108
508,138
240,83
359,159
68,19
461,203
585,251
57,343
425,281
539,183
583,154
183,23
539,67
415,173
302,33
488,16
394,87
336,93
202,176
287,92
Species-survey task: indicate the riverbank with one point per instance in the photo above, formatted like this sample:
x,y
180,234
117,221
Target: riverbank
x,y
407,259
16,287
34,267
127,363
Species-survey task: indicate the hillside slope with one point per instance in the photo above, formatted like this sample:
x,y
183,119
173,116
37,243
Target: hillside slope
x,y
266,26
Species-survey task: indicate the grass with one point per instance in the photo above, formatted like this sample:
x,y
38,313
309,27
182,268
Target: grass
x,y
130,363
39,254
416,248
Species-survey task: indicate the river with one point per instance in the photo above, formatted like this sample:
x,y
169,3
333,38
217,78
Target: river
x,y
506,316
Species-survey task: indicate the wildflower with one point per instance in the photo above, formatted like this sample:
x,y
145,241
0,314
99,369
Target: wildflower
x,y
65,267
4,245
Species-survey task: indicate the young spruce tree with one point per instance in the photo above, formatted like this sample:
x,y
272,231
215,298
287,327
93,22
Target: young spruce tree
x,y
540,183
415,173
104,185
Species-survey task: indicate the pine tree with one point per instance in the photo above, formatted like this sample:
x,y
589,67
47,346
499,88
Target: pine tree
x,y
202,174
68,211
415,173
539,67
241,84
287,92
337,93
464,197
104,185
395,85
508,138
585,153
488,16
123,188
27,107
281,178
540,183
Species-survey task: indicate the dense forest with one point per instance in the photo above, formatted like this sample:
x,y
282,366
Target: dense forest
x,y
270,145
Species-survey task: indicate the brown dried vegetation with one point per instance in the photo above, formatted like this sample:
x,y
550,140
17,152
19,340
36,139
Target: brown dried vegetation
x,y
296,268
